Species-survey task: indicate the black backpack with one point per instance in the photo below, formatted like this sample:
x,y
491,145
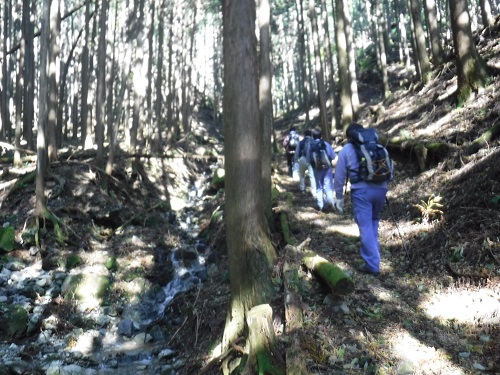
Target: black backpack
x,y
319,157
375,164
304,144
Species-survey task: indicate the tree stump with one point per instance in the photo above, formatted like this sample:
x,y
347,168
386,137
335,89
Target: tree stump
x,y
264,353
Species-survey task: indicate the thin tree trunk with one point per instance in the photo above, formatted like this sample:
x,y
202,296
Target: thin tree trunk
x,y
41,145
435,38
100,104
343,64
53,69
84,111
266,105
486,16
382,54
351,56
471,69
159,82
306,87
318,69
419,42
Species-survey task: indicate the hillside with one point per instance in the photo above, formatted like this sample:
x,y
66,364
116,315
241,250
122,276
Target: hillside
x,y
435,308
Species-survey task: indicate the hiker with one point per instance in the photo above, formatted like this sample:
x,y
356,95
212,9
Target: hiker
x,y
304,165
290,144
367,198
320,155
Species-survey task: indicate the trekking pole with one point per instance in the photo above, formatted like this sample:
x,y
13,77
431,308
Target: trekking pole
x,y
399,232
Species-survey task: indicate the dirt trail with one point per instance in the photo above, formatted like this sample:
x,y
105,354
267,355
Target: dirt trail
x,y
401,322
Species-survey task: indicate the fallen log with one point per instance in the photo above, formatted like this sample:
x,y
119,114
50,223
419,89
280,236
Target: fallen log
x,y
333,276
422,150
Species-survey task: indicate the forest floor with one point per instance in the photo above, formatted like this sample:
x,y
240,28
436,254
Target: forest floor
x,y
434,308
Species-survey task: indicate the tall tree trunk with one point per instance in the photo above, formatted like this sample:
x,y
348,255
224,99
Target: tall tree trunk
x,y
159,82
419,42
53,69
351,56
306,87
382,52
318,69
100,104
330,72
266,105
435,38
4,104
84,111
41,144
18,97
343,66
139,93
250,251
29,77
471,69
486,16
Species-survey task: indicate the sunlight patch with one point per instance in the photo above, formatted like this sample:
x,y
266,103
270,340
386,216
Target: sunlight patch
x,y
417,357
471,307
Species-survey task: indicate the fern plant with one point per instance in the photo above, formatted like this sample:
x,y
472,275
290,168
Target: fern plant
x,y
431,209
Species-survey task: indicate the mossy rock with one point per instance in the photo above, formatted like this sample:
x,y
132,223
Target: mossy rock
x,y
7,238
14,320
72,261
89,288
218,177
112,264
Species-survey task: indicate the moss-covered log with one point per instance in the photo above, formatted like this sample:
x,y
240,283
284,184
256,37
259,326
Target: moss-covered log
x,y
334,277
423,151
485,139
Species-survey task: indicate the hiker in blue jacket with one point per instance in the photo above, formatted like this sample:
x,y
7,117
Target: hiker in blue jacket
x,y
304,165
368,200
322,176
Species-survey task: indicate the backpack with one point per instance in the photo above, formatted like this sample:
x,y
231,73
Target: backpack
x,y
375,164
304,144
292,141
320,159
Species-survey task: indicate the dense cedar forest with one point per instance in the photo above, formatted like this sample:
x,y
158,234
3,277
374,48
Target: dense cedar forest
x,y
148,223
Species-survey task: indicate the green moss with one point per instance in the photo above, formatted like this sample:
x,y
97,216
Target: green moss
x,y
7,238
14,320
285,229
112,264
72,261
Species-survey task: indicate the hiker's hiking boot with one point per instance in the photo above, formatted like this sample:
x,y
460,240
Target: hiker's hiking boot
x,y
365,270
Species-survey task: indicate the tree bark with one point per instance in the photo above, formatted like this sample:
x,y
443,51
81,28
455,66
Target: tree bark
x,y
266,105
250,251
296,361
471,69
419,42
343,66
320,76
100,104
433,29
265,357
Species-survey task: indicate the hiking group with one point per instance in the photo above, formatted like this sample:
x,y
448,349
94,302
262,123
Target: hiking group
x,y
362,163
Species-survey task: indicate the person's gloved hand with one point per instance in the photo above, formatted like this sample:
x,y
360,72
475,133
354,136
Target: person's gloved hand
x,y
339,205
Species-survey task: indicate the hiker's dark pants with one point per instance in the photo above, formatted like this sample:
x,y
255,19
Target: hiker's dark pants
x,y
289,162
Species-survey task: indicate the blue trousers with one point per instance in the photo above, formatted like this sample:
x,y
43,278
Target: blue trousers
x,y
367,203
324,186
